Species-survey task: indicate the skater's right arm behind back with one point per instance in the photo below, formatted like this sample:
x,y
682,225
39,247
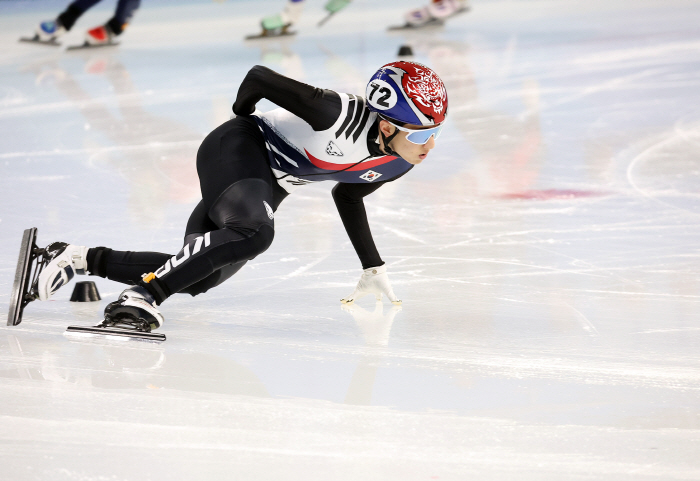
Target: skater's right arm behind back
x,y
319,108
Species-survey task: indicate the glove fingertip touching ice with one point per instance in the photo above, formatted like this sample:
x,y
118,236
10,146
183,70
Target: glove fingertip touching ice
x,y
375,281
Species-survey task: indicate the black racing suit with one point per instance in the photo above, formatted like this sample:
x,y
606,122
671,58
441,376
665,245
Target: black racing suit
x,y
242,187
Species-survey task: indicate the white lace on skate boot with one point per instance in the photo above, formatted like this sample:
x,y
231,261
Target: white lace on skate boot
x,y
49,30
67,261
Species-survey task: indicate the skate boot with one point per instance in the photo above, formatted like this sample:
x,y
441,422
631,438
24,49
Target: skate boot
x,y
135,309
434,14
279,25
134,315
99,36
50,30
444,9
64,262
274,26
47,33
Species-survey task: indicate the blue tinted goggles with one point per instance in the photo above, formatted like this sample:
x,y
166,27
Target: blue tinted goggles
x,y
420,137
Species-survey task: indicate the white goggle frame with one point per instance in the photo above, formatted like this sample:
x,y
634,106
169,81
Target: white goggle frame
x,y
418,136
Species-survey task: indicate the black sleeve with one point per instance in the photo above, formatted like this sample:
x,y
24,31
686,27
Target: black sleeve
x,y
351,207
348,200
320,108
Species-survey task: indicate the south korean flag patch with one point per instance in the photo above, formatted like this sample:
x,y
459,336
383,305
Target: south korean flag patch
x,y
370,176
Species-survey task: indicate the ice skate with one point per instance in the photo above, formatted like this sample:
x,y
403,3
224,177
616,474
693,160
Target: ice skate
x,y
133,315
279,25
65,261
101,36
47,33
41,272
273,26
433,15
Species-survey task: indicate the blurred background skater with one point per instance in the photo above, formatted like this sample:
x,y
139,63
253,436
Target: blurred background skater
x,y
49,31
281,23
434,14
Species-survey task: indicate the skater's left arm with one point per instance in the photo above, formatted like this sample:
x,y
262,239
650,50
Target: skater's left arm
x,y
349,201
351,207
320,108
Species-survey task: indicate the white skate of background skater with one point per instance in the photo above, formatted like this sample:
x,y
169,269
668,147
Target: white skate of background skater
x,y
434,14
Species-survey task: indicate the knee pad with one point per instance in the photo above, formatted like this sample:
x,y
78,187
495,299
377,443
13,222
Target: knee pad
x,y
264,237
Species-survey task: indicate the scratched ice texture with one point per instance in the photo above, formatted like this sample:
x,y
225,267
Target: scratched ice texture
x,y
547,253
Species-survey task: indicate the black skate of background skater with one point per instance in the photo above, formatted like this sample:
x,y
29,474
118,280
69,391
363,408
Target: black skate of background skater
x,y
246,167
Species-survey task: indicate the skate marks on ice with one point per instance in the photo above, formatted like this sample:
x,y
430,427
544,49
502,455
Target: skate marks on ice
x,y
665,169
381,441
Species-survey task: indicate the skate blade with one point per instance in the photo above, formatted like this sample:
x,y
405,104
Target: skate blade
x,y
20,287
262,36
35,39
114,333
427,26
88,46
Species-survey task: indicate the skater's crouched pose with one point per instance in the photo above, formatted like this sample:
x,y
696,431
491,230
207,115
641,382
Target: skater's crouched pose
x,y
249,164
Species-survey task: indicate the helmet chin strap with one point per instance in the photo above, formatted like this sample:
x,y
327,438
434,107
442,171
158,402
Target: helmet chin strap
x,y
386,141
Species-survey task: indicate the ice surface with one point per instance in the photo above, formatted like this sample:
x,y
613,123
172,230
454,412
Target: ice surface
x,y
546,252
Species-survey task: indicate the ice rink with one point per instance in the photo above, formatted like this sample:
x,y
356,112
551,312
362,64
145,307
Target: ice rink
x,y
547,253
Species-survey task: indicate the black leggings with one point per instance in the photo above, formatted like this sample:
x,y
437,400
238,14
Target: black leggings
x,y
123,13
232,224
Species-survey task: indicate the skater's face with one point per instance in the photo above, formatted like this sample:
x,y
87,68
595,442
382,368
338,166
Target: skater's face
x,y
409,151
